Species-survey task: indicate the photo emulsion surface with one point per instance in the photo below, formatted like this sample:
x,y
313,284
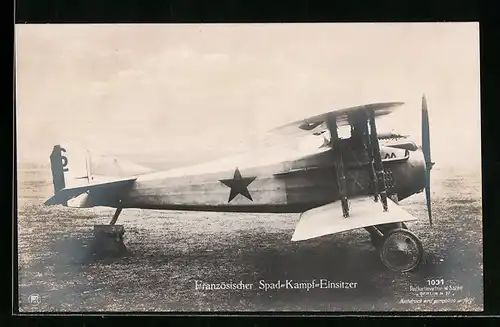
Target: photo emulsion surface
x,y
249,167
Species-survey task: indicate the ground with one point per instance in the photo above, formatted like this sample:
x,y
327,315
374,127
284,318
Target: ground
x,y
169,251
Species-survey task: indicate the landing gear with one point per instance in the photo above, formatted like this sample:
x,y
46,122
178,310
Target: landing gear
x,y
378,237
399,249
108,239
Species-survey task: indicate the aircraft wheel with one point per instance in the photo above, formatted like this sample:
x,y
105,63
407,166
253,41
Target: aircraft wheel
x,y
401,250
384,229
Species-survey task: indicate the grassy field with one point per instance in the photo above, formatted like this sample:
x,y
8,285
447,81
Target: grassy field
x,y
169,251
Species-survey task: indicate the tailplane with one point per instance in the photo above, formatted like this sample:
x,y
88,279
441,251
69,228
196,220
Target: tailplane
x,y
76,168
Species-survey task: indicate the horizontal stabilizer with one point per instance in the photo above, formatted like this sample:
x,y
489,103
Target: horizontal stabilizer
x,y
111,187
363,212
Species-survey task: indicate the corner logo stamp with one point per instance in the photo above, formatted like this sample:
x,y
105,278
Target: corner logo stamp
x,y
34,299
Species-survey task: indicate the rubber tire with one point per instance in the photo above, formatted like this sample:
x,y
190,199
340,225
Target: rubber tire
x,y
419,247
385,229
377,240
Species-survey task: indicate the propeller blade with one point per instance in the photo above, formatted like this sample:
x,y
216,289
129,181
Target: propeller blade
x,y
428,194
426,149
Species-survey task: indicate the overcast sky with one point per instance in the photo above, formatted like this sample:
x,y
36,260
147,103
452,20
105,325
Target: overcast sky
x,y
167,91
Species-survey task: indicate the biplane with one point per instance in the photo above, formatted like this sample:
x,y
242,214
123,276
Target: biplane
x,y
349,182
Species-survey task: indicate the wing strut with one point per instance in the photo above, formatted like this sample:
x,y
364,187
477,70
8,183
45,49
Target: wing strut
x,y
339,164
371,166
380,188
363,130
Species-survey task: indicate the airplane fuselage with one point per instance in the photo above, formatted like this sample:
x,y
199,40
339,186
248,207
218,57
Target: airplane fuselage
x,y
262,183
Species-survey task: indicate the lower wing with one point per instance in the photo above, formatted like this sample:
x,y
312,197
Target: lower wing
x,y
363,212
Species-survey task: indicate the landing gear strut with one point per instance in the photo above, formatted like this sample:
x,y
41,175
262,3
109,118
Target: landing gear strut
x,y
108,239
399,249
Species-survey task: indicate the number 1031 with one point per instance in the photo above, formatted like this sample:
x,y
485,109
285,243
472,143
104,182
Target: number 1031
x,y
435,282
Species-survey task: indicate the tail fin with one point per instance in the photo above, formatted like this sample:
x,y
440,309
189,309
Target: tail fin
x,y
69,167
74,167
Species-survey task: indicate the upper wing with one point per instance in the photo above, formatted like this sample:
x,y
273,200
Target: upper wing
x,y
343,116
108,192
363,212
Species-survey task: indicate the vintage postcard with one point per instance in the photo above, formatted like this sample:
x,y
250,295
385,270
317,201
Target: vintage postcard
x,y
249,167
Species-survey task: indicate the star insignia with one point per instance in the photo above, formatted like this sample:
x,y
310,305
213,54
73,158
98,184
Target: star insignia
x,y
238,185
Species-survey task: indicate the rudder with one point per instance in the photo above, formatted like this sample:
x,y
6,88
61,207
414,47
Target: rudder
x,y
69,165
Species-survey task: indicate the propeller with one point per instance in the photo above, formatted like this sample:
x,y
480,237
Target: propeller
x,y
426,149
